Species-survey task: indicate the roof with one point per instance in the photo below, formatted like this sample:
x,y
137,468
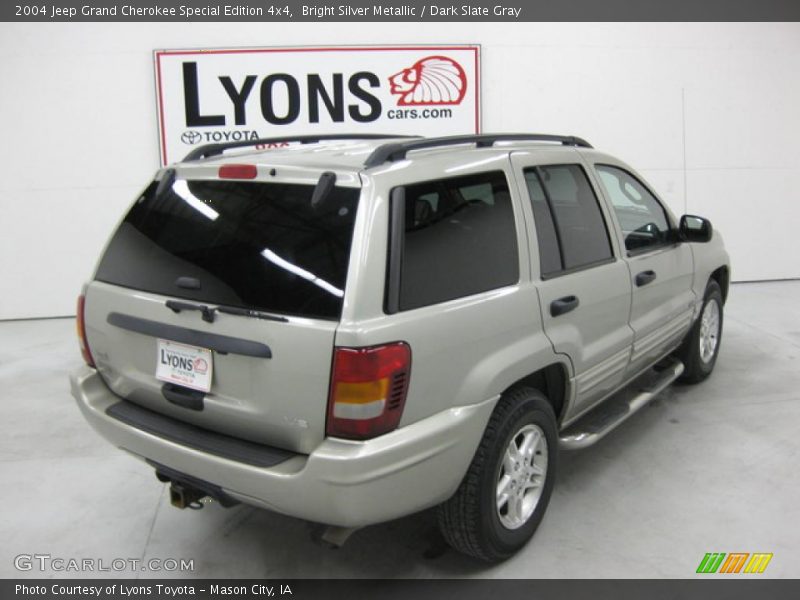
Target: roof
x,y
355,153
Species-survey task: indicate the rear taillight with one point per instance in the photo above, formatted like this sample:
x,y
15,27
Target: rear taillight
x,y
80,322
368,390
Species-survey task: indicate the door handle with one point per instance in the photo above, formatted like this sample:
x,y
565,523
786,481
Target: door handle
x,y
644,278
563,305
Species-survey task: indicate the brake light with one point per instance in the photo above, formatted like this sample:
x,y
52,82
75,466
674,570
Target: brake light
x,y
80,323
238,172
368,390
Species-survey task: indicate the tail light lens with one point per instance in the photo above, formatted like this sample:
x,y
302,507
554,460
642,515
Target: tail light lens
x,y
368,390
80,322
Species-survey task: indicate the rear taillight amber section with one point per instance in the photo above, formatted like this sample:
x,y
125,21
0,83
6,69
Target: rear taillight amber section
x,y
368,390
80,322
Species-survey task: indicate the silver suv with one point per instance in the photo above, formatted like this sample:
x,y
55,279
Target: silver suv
x,y
350,329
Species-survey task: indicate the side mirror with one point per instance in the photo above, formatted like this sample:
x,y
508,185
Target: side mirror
x,y
695,229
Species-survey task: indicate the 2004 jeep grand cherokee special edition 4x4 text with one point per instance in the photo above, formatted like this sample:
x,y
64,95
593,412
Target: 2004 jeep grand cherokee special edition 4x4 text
x,y
351,329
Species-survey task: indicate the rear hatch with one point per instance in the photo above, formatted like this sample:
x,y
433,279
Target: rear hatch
x,y
216,302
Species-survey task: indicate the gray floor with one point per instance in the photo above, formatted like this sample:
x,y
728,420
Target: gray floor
x,y
710,468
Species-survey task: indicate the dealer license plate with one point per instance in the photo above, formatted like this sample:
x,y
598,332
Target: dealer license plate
x,y
184,365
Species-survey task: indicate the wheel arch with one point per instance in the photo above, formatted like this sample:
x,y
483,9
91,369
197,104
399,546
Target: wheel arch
x,y
552,381
722,277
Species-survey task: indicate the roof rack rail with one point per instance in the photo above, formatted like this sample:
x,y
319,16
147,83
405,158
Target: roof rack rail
x,y
397,151
208,150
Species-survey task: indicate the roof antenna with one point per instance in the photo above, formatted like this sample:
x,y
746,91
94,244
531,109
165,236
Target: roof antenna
x,y
324,186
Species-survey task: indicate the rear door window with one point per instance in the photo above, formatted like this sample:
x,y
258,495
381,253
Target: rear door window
x,y
237,243
569,223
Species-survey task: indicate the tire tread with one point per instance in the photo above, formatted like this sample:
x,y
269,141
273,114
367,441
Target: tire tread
x,y
459,517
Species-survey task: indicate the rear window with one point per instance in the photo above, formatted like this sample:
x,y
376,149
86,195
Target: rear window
x,y
246,244
459,239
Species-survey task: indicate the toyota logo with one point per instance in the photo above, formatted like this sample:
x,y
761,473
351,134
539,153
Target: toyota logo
x,y
191,137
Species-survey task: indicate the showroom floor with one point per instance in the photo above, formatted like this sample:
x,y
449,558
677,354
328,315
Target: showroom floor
x,y
710,468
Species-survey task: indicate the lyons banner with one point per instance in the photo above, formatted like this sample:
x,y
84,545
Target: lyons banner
x,y
208,96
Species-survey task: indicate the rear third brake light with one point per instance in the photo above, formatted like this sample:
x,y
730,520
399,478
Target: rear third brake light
x,y
368,390
80,323
238,172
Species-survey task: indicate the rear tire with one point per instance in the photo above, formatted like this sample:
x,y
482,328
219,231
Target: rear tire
x,y
504,494
701,347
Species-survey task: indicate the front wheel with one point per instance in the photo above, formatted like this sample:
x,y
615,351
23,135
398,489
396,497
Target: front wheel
x,y
701,347
505,492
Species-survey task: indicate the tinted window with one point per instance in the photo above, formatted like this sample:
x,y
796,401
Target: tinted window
x,y
459,239
568,218
249,244
549,253
642,218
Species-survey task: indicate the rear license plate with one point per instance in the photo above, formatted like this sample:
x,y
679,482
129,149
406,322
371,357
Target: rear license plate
x,y
188,366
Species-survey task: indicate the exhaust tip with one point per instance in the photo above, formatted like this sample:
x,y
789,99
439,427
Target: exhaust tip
x,y
331,536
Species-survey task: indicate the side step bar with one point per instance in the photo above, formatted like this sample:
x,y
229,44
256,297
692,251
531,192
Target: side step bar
x,y
611,413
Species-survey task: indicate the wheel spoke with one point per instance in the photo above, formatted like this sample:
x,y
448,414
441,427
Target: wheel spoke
x,y
502,501
510,458
529,443
515,508
532,483
537,470
503,485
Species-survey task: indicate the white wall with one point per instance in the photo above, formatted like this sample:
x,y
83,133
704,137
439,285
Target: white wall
x,y
79,133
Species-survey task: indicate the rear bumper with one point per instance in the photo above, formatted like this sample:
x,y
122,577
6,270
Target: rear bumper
x,y
342,482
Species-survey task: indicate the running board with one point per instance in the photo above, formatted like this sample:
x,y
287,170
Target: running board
x,y
611,413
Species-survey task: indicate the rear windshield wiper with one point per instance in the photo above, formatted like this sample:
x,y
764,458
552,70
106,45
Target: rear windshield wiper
x,y
175,306
247,312
208,312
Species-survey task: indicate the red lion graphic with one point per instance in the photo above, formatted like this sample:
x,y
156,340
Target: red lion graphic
x,y
200,366
431,80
